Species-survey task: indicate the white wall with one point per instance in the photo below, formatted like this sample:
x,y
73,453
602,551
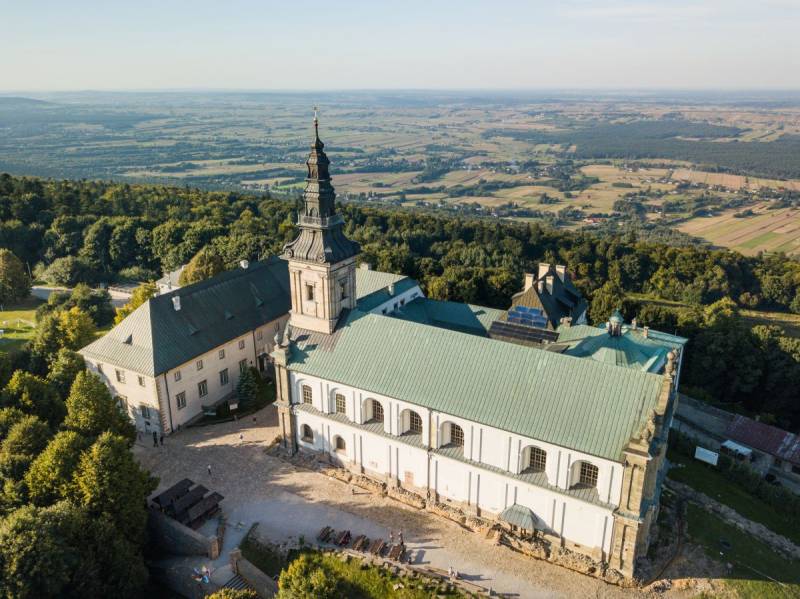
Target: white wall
x,y
134,393
388,307
581,522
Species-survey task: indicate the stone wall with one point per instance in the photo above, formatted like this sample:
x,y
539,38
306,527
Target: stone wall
x,y
173,537
262,584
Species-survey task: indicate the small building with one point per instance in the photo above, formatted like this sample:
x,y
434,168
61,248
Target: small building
x,y
170,281
775,451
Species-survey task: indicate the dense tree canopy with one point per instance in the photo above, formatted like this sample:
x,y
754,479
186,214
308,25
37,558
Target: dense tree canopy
x,y
92,411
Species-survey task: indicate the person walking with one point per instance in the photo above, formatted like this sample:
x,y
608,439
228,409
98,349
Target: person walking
x,y
209,469
155,439
161,439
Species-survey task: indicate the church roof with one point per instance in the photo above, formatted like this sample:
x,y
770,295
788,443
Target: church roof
x,y
156,338
572,402
466,318
372,287
630,349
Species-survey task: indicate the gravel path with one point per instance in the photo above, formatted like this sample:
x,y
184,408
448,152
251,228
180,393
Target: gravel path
x,y
289,502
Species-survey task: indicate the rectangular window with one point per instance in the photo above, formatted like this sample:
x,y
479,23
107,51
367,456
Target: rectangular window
x,y
141,381
177,375
242,365
259,335
145,411
222,354
122,402
343,288
199,365
120,376
340,404
202,388
307,396
309,292
180,400
241,343
223,377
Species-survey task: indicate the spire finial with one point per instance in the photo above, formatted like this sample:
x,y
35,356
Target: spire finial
x,y
316,123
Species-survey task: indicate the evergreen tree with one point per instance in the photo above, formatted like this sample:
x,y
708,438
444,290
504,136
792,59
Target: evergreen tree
x,y
14,282
107,479
247,388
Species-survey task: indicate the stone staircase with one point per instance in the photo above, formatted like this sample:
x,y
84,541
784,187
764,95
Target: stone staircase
x,y
237,583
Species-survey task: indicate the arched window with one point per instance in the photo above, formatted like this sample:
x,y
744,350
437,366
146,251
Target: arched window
x,y
586,475
456,435
340,403
308,434
340,445
375,413
537,460
414,423
307,395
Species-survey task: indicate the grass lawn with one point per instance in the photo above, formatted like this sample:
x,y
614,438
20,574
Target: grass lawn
x,y
17,322
710,481
754,564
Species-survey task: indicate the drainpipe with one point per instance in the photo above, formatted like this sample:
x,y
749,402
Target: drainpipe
x,y
169,404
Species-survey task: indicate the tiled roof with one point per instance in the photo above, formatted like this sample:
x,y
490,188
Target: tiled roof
x,y
466,318
769,439
156,338
581,404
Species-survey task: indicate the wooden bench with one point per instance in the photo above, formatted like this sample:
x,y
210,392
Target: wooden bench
x,y
175,492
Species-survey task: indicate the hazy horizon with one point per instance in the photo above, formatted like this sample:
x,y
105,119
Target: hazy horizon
x,y
508,45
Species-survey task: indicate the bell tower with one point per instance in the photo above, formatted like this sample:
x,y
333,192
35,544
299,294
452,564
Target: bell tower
x,y
321,259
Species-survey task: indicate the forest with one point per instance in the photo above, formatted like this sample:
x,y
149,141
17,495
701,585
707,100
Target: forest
x,y
673,140
70,232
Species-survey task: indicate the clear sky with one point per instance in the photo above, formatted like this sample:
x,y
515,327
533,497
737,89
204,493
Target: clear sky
x,y
347,44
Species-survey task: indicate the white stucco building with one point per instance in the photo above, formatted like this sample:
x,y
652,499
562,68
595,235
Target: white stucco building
x,y
527,411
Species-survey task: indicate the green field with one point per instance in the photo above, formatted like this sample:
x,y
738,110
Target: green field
x,y
757,572
710,481
17,323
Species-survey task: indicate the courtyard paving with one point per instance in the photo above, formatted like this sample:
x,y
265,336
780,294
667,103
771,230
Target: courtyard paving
x,y
289,502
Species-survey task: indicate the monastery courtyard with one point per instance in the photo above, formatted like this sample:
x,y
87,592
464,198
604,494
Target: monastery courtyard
x,y
289,502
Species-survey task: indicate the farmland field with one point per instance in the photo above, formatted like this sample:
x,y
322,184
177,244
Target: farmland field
x,y
565,159
732,181
766,230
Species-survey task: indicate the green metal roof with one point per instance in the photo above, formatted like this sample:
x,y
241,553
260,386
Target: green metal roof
x,y
519,516
156,338
466,318
631,349
572,402
372,287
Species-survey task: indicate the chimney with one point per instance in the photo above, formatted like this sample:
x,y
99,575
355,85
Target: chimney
x,y
549,280
544,268
561,271
529,279
390,288
244,264
566,322
646,332
634,324
176,302
365,266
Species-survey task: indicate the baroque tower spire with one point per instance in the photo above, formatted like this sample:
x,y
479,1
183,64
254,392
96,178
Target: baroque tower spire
x,y
321,258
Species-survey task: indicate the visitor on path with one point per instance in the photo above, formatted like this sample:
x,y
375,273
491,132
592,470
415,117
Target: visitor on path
x,y
209,469
161,439
155,439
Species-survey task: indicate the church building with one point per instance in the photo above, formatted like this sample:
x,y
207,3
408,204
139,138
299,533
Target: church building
x,y
527,415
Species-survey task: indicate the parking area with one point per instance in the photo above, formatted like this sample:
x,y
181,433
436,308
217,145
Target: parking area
x,y
289,502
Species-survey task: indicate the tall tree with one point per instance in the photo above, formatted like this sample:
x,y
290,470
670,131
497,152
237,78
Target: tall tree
x,y
14,282
64,370
107,479
33,395
92,411
50,476
205,264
